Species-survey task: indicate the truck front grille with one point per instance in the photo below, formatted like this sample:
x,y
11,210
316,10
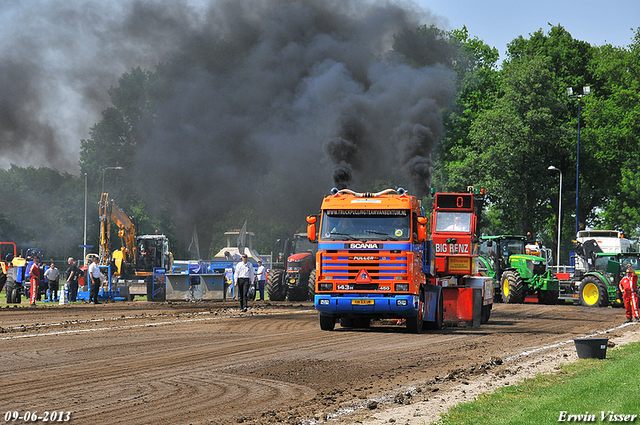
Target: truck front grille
x,y
381,267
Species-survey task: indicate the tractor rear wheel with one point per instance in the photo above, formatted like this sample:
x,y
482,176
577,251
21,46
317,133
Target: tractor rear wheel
x,y
512,288
311,286
327,323
593,293
9,293
15,296
275,286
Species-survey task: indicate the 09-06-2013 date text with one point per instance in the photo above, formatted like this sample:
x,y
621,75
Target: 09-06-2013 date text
x,y
46,416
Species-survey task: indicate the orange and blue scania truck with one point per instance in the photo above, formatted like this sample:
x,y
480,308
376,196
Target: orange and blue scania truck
x,y
375,260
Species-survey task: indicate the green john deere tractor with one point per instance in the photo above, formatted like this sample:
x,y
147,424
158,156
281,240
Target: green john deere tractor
x,y
598,287
516,274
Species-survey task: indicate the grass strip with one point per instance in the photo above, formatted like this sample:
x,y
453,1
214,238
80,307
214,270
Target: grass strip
x,y
588,387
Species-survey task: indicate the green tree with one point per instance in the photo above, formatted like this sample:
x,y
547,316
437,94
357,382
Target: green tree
x,y
613,136
478,82
513,143
42,209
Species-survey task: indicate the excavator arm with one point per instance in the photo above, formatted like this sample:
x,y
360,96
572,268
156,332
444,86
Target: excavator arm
x,y
108,212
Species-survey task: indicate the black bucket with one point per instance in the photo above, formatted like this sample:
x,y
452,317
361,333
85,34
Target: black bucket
x,y
591,348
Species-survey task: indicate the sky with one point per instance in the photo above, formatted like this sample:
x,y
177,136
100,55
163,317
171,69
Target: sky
x,y
498,22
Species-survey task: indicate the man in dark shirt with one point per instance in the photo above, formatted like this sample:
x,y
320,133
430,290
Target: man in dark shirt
x,y
72,279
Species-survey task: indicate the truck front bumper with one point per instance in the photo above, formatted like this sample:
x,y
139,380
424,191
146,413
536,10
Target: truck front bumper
x,y
344,304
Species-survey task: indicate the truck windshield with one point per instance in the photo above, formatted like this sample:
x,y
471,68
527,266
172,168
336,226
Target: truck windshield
x,y
453,221
366,225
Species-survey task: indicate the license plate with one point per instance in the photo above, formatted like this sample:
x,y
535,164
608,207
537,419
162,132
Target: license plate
x,y
362,302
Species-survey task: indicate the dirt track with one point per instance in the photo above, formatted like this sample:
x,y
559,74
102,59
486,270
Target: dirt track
x,y
196,363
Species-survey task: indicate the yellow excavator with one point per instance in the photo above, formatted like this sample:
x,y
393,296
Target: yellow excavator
x,y
133,264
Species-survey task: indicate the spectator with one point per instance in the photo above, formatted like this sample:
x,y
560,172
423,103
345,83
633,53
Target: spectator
x,y
94,274
52,275
243,278
72,279
261,276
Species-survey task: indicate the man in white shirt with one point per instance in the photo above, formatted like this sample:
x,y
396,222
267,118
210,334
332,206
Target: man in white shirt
x,y
261,276
52,275
94,273
243,278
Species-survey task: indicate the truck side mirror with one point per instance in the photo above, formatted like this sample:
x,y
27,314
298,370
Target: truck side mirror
x,y
422,229
311,228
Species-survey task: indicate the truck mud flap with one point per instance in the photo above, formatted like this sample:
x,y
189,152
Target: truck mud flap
x,y
431,295
462,306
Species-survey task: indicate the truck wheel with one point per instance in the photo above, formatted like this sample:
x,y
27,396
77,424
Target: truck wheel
x,y
414,324
548,297
361,322
275,287
312,285
593,293
327,323
512,288
346,322
485,314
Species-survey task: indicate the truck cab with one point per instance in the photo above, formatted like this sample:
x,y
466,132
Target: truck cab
x,y
369,263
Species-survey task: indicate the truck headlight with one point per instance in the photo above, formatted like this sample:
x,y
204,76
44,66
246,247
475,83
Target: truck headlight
x,y
402,287
403,303
323,302
325,287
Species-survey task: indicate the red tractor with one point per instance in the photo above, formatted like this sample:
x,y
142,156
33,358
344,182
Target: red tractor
x,y
294,277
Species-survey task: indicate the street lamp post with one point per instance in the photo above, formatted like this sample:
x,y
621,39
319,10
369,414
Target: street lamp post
x,y
551,167
586,91
84,249
108,168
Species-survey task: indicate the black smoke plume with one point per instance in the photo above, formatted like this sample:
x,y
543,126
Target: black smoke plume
x,y
273,101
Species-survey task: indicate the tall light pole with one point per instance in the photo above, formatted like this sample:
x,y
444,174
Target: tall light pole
x,y
551,167
105,169
586,91
84,248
